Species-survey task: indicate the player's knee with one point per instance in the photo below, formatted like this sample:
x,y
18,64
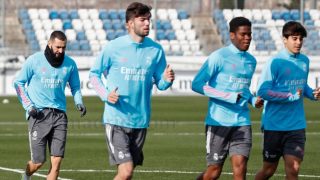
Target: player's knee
x,y
35,166
240,171
239,167
127,175
268,172
293,171
213,172
263,175
296,167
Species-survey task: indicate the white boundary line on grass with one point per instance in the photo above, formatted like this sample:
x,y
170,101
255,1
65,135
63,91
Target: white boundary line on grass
x,y
170,172
202,134
152,134
21,171
152,122
137,171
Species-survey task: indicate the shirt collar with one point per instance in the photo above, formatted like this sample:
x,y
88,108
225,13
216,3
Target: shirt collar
x,y
290,54
133,42
235,50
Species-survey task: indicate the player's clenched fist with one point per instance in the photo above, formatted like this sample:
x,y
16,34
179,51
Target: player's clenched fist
x,y
299,91
259,102
113,97
316,93
169,74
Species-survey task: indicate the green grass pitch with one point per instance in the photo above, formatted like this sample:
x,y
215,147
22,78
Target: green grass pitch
x,y
174,148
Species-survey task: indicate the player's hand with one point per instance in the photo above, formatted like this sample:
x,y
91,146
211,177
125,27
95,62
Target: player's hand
x,y
259,102
169,74
299,91
296,96
239,97
113,97
33,112
82,109
316,93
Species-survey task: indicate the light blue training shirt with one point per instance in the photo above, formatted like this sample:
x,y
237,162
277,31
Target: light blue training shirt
x,y
281,78
226,73
40,85
133,68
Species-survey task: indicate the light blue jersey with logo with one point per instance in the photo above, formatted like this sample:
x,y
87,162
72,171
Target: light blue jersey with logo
x,y
226,73
282,77
133,68
43,86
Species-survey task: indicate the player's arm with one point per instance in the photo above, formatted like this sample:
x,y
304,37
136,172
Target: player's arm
x,y
254,100
100,67
313,94
200,84
266,90
74,82
20,83
163,75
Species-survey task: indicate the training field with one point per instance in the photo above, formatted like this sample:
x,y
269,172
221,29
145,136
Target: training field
x,y
174,149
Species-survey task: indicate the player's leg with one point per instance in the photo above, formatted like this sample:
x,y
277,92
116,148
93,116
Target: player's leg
x,y
125,171
38,131
138,137
294,152
292,166
217,145
30,169
118,142
212,172
267,170
240,146
57,142
239,166
54,168
272,151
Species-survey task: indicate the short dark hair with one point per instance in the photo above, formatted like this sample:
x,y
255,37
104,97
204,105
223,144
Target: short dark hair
x,y
59,35
293,28
137,9
237,22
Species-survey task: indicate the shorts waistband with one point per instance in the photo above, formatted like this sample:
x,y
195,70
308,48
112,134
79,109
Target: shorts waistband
x,y
54,110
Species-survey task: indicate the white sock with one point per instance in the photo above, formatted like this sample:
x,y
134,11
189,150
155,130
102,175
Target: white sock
x,y
26,177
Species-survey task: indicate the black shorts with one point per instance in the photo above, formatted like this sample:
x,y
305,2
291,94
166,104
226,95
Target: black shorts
x,y
280,143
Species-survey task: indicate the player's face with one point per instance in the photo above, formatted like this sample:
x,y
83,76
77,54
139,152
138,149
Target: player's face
x,y
293,43
57,47
241,38
140,25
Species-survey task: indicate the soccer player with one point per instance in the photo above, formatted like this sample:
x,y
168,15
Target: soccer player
x,y
131,65
283,84
40,87
225,78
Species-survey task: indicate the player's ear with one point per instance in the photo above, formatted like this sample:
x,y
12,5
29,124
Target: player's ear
x,y
285,40
49,43
130,23
127,25
232,35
